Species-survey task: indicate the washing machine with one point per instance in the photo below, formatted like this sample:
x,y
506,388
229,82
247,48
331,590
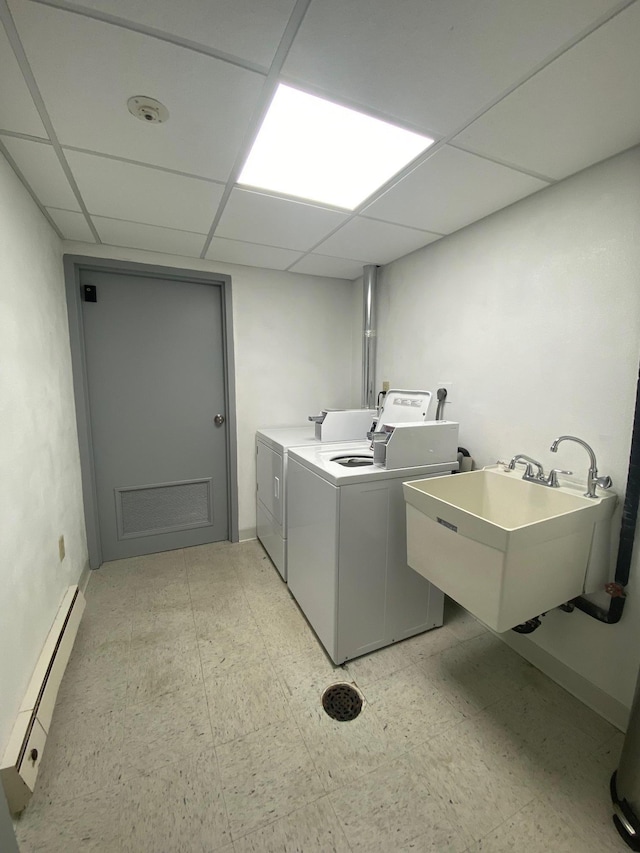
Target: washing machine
x,y
272,447
346,549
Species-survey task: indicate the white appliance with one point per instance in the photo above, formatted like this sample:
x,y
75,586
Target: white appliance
x,y
402,445
403,407
343,424
346,549
272,447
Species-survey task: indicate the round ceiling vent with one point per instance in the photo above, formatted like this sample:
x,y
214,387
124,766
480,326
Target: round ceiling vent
x,y
147,109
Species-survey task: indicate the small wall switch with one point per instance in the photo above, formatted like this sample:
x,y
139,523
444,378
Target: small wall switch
x,y
385,385
61,549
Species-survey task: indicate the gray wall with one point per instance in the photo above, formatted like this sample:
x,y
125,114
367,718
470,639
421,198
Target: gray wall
x,y
40,495
534,315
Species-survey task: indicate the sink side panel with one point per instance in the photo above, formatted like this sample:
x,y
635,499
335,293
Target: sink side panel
x,y
468,571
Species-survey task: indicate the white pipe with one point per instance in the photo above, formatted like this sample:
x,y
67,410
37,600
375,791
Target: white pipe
x,y
369,335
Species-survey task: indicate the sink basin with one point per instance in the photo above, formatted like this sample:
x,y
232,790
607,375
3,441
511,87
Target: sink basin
x,y
505,549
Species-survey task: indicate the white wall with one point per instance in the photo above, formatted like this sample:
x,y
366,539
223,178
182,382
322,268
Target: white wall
x,y
293,348
40,493
534,315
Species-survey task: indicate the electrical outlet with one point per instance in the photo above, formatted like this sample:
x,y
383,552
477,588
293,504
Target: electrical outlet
x,y
61,549
385,385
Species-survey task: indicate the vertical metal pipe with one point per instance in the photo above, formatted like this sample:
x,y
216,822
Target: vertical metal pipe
x,y
369,335
626,780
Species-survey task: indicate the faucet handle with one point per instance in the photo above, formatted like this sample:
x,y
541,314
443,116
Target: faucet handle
x,y
552,479
604,482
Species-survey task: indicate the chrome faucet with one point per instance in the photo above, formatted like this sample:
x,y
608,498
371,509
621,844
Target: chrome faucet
x,y
529,462
592,477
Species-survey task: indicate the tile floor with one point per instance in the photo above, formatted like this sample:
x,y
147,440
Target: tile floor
x,y
189,719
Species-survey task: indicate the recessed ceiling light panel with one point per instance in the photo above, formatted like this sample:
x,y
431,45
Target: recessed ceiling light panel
x,y
314,149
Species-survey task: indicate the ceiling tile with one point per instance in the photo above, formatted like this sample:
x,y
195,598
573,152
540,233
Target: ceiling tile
x,y
327,266
250,29
41,168
431,64
374,242
116,232
86,71
72,225
250,254
273,221
450,190
575,112
17,110
138,194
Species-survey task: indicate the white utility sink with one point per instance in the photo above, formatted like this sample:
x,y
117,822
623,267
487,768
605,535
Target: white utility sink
x,y
504,548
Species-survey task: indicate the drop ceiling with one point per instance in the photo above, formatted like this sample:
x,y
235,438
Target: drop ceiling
x,y
518,95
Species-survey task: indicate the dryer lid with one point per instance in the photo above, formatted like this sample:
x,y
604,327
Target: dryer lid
x,y
402,407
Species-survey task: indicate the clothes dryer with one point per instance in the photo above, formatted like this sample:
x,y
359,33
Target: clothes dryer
x,y
272,448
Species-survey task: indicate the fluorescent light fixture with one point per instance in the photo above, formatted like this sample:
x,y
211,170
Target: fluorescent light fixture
x,y
313,149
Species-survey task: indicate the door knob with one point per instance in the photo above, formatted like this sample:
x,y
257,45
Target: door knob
x,y
219,420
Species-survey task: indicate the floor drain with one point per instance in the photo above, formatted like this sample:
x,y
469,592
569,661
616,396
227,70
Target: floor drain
x,y
342,702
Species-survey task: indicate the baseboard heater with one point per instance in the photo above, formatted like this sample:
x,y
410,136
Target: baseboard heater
x,y
22,757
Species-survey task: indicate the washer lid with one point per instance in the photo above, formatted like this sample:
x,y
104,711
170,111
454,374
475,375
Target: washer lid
x,y
403,407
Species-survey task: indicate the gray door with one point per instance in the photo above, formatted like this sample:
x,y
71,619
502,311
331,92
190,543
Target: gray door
x,y
156,384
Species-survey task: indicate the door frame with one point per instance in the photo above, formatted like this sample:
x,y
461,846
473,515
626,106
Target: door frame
x,y
73,266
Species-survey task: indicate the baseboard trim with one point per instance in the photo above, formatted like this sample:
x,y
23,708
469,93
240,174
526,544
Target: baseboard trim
x,y
247,533
83,580
594,697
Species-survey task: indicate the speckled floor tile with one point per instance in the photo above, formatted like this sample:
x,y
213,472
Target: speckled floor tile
x,y
465,676
228,649
179,807
561,705
243,699
83,754
460,622
160,732
168,597
546,740
537,828
99,627
312,829
379,664
343,751
217,596
163,626
265,776
160,569
305,674
480,786
97,677
283,627
410,709
159,668
89,822
576,784
392,807
516,750
109,596
220,629
116,573
430,643
203,555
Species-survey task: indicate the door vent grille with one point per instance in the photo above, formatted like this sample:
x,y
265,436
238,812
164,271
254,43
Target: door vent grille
x,y
163,508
